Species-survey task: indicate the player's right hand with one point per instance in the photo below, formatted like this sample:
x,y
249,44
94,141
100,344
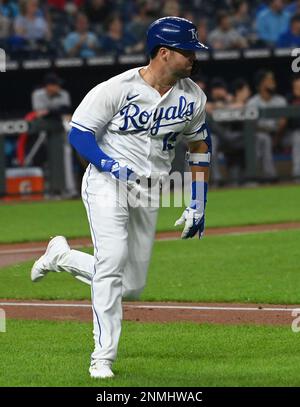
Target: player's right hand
x,y
112,166
194,220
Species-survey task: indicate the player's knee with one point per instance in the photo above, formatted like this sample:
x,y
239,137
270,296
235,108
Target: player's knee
x,y
114,258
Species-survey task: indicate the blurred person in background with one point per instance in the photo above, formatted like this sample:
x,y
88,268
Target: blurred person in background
x,y
31,29
5,29
208,8
202,28
291,38
64,4
51,99
241,93
30,24
188,14
57,4
294,127
224,36
52,106
232,140
293,8
171,8
140,22
272,22
218,98
97,12
81,42
269,131
241,19
9,8
126,9
117,40
201,81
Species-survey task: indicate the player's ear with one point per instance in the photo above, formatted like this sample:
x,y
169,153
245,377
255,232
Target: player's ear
x,y
164,53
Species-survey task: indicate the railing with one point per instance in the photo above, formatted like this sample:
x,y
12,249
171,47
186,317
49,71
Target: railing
x,y
249,116
127,59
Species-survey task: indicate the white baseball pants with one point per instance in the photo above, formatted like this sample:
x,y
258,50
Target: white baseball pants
x,y
123,237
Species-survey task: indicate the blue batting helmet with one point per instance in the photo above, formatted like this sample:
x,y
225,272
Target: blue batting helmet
x,y
174,32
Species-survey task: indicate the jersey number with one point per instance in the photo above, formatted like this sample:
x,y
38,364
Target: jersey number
x,y
169,141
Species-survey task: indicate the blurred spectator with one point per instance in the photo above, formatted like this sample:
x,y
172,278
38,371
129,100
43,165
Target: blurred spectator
x,y
171,8
125,9
31,25
233,145
241,93
54,20
292,37
117,40
202,28
31,38
140,22
51,99
224,36
241,19
58,4
63,4
219,98
9,9
81,42
207,8
294,126
51,104
269,131
293,8
189,15
97,11
5,25
272,22
261,7
201,81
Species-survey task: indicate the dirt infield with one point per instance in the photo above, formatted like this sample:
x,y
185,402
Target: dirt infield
x,y
263,314
225,313
19,252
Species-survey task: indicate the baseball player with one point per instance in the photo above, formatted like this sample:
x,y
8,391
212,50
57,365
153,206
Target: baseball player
x,y
127,128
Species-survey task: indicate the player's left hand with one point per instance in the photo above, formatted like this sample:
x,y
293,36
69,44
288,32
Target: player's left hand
x,y
119,172
194,220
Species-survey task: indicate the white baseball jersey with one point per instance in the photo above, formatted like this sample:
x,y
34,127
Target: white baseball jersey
x,y
138,127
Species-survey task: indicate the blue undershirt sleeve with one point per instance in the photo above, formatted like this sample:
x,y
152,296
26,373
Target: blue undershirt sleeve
x,y
85,144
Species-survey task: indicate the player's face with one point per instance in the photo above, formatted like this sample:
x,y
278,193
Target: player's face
x,y
269,82
52,89
181,62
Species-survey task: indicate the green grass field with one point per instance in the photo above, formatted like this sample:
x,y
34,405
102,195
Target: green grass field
x,y
37,221
248,268
42,353
258,268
